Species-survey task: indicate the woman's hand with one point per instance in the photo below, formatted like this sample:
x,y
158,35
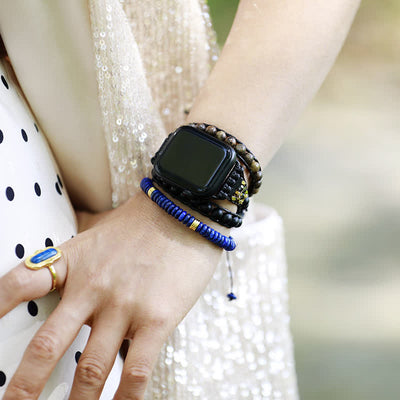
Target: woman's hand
x,y
132,272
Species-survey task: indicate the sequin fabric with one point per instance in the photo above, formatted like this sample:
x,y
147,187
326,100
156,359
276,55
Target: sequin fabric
x,y
152,57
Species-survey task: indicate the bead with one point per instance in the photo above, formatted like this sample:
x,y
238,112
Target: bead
x,y
227,218
150,191
183,215
258,175
240,148
232,244
211,129
231,141
231,296
203,229
257,184
255,166
217,236
156,195
167,204
186,219
194,225
221,135
190,221
217,213
249,158
171,208
175,210
178,213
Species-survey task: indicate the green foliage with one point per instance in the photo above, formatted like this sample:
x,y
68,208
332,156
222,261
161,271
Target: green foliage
x,y
222,14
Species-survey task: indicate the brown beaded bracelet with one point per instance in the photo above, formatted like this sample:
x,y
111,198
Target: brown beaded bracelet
x,y
243,153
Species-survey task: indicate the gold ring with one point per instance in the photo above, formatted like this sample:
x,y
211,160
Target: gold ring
x,y
45,259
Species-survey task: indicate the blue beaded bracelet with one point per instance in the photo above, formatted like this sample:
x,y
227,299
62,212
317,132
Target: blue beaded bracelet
x,y
178,213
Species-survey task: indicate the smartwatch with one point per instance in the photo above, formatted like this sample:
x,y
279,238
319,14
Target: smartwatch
x,y
196,168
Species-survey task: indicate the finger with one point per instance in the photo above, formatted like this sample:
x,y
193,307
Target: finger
x,y
98,357
142,355
22,284
45,349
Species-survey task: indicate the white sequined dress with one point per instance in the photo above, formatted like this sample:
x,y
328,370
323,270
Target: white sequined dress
x,y
150,59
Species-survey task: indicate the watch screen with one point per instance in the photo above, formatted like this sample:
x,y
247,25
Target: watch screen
x,y
192,158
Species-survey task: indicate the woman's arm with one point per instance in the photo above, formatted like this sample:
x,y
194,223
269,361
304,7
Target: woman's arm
x,y
275,58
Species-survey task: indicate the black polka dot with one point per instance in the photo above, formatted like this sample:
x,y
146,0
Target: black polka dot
x,y
59,181
48,242
10,193
24,135
1,136
58,188
77,356
33,308
5,83
72,236
38,191
3,378
19,250
36,127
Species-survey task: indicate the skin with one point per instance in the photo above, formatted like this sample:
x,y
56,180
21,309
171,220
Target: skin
x,y
275,58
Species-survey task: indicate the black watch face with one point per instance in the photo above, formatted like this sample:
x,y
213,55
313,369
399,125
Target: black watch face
x,y
195,160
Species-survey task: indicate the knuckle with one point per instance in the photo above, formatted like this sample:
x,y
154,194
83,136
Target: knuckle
x,y
138,374
120,307
44,346
20,389
91,370
159,320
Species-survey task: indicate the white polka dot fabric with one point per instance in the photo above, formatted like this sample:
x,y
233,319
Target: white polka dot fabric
x,y
35,212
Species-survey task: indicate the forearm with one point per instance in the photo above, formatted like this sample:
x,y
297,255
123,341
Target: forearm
x,y
275,58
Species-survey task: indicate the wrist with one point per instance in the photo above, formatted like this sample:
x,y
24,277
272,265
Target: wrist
x,y
163,227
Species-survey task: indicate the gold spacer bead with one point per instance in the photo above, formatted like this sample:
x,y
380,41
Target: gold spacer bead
x,y
150,191
194,225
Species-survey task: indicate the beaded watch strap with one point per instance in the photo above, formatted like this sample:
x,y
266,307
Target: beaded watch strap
x,y
242,152
205,207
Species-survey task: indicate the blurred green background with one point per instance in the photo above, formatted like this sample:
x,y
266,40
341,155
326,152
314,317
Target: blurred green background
x,y
336,183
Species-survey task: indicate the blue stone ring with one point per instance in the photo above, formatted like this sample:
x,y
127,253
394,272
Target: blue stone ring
x,y
45,259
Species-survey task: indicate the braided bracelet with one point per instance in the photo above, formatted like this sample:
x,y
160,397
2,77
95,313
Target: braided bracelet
x,y
227,243
207,208
243,153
